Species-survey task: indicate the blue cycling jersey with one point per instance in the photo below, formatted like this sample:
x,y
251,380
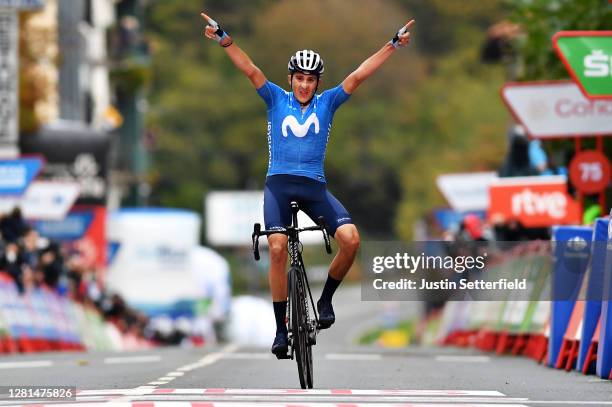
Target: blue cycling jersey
x,y
297,140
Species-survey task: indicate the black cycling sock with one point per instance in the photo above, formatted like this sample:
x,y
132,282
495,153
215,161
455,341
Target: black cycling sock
x,y
280,313
330,288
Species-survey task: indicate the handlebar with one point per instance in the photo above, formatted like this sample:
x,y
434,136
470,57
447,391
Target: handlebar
x,y
257,233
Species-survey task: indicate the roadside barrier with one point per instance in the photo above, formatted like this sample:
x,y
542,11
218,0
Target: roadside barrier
x,y
604,349
590,360
594,297
567,322
572,248
518,323
568,354
40,320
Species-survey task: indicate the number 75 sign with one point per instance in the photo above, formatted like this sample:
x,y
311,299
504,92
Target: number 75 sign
x,y
590,172
587,55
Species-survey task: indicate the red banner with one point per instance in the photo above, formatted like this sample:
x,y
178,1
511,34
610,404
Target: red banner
x,y
533,201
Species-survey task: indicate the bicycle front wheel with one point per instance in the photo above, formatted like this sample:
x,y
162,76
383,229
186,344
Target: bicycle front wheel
x,y
299,324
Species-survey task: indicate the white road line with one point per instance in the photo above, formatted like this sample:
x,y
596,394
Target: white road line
x,y
133,359
248,356
103,392
598,380
463,359
28,364
213,357
353,356
176,374
207,360
573,403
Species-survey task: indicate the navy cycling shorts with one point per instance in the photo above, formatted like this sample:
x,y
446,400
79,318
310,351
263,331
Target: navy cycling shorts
x,y
312,196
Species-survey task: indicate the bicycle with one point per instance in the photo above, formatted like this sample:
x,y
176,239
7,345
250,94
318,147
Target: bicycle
x,y
302,330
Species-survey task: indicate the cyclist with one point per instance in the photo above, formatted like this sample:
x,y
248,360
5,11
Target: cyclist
x,y
299,122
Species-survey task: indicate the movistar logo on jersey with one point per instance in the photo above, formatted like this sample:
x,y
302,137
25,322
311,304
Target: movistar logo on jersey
x,y
300,130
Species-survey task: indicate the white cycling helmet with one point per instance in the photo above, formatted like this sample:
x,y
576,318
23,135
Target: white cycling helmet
x,y
306,61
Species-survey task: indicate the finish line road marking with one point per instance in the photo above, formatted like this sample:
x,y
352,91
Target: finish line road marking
x,y
232,404
219,397
310,392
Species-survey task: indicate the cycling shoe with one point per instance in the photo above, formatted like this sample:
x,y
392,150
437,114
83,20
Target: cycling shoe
x,y
280,345
326,314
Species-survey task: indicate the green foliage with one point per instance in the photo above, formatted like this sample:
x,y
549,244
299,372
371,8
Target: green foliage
x,y
432,108
540,20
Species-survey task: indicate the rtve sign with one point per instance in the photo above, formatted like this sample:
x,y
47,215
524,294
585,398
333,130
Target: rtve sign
x,y
533,201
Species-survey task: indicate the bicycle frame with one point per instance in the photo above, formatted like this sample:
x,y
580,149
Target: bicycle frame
x,y
294,246
304,334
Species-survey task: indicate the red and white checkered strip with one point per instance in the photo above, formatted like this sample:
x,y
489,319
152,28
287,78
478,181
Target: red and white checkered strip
x,y
318,392
232,404
153,397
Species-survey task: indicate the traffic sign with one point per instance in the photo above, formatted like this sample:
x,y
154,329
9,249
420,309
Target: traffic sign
x,y
557,109
587,55
589,172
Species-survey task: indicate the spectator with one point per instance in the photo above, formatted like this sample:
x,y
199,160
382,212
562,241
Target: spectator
x,y
498,44
30,248
51,265
12,262
538,158
74,276
517,163
13,226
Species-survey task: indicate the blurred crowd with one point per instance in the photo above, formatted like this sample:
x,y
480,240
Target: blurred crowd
x,y
34,262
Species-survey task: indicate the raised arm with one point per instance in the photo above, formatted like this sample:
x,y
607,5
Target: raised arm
x,y
240,59
371,65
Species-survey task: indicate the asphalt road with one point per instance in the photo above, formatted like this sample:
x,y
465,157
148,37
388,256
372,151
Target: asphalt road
x,y
345,374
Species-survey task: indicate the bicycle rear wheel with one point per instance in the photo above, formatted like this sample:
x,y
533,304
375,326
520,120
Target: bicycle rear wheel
x,y
309,381
298,325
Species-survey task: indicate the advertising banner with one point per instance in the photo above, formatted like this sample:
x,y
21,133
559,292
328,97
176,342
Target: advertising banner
x,y
466,192
533,201
22,4
153,262
82,230
43,200
557,109
16,175
230,216
74,153
587,55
